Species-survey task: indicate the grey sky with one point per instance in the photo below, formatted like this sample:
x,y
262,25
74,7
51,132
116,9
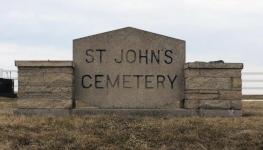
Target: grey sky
x,y
230,30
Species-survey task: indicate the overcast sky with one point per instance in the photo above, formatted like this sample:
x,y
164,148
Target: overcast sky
x,y
230,30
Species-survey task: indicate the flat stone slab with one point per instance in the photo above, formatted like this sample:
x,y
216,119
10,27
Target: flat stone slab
x,y
44,103
207,65
136,112
220,113
129,112
44,63
42,112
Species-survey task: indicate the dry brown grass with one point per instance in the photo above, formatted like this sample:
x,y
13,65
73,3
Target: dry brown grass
x,y
252,108
115,132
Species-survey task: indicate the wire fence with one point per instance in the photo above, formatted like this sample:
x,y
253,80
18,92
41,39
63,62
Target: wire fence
x,y
252,82
252,85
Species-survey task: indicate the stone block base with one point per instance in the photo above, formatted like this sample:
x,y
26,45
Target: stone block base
x,y
214,89
42,112
136,112
213,104
219,113
130,112
44,103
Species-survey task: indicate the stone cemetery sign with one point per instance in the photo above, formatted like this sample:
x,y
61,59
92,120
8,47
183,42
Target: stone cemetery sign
x,y
129,72
129,68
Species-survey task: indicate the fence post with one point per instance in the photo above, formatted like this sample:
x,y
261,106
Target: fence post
x,y
1,73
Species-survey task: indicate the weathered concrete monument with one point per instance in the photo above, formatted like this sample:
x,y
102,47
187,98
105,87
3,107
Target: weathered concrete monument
x,y
129,68
129,71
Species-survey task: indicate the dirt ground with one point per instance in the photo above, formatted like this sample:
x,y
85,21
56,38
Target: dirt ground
x,y
116,132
